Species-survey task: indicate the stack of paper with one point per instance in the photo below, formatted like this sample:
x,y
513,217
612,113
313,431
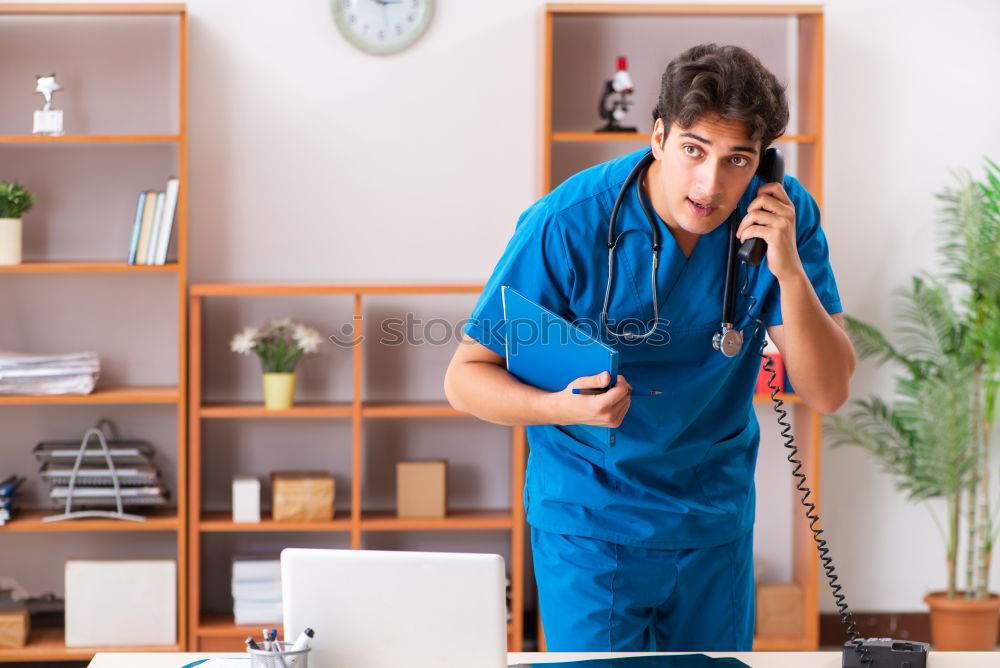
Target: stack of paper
x,y
48,374
256,591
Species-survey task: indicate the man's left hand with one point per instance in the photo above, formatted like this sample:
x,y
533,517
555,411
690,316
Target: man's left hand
x,y
771,217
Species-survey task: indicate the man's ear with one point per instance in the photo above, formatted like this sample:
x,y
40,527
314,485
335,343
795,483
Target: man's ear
x,y
657,138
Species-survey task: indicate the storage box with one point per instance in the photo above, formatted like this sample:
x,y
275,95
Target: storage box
x,y
779,610
421,488
14,627
121,603
246,499
302,496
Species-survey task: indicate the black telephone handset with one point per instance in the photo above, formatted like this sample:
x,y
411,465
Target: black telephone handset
x,y
771,169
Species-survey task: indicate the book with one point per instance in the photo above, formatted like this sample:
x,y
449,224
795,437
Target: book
x,y
155,231
136,226
167,220
145,228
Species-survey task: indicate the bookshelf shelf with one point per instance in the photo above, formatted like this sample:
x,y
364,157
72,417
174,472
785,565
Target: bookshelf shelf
x,y
31,521
50,645
639,136
165,149
101,396
221,522
85,267
217,632
89,139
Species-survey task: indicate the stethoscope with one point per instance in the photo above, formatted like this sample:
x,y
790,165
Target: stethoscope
x,y
729,340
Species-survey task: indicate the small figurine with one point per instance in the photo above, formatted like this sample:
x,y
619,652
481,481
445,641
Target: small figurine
x,y
620,85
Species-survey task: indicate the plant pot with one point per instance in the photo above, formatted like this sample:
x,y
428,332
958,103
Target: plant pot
x,y
279,389
10,241
963,625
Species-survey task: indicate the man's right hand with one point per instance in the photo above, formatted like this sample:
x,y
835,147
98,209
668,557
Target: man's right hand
x,y
599,410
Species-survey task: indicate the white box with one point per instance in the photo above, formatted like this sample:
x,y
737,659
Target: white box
x,y
121,603
246,499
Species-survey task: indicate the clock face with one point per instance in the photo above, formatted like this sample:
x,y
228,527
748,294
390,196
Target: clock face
x,y
382,26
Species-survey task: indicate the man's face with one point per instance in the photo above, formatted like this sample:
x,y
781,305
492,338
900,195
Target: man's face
x,y
703,172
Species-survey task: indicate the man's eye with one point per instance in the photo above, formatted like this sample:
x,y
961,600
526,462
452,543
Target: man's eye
x,y
740,161
692,151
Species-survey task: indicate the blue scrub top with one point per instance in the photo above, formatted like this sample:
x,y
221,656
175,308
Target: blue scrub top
x,y
680,472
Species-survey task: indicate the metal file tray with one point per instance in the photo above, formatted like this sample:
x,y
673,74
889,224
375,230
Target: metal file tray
x,y
99,475
153,495
122,452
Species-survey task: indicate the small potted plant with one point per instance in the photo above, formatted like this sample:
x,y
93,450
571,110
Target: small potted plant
x,y
14,201
279,346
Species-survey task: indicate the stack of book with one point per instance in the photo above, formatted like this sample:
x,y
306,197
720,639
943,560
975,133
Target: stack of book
x,y
8,489
153,225
93,485
256,591
48,374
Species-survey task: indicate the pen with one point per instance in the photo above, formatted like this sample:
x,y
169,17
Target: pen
x,y
600,390
301,643
266,645
251,644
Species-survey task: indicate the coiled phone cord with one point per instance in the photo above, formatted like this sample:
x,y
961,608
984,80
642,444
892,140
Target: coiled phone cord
x,y
846,618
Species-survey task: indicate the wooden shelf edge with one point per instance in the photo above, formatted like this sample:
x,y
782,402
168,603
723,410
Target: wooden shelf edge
x,y
292,289
31,521
456,520
372,409
690,9
88,139
561,137
221,522
221,625
49,645
111,395
103,8
85,267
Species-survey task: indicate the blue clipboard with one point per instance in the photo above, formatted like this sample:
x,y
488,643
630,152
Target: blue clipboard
x,y
547,351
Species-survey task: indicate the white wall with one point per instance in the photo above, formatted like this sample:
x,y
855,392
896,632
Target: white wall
x,y
312,161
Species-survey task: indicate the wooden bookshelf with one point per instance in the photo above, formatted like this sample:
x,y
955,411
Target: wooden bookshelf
x,y
48,645
556,134
209,631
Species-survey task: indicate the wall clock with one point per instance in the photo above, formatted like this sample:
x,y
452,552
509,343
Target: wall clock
x,y
382,26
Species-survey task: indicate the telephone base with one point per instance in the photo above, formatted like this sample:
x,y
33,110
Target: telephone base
x,y
885,653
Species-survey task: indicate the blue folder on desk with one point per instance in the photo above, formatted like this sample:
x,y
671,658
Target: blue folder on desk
x,y
547,351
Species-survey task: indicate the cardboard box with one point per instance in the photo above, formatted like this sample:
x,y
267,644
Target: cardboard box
x,y
779,610
121,603
302,496
422,488
246,499
14,627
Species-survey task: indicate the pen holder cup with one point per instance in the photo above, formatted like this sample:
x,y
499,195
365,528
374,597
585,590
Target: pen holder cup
x,y
286,657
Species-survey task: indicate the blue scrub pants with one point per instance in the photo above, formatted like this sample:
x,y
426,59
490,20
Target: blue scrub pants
x,y
597,596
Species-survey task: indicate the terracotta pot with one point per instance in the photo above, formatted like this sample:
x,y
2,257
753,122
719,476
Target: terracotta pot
x,y
963,625
279,389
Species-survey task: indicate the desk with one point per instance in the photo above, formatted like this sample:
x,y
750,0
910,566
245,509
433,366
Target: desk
x,y
753,659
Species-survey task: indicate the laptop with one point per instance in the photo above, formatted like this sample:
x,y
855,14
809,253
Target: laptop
x,y
380,609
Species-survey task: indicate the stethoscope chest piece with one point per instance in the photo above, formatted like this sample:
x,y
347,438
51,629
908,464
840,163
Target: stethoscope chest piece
x,y
729,341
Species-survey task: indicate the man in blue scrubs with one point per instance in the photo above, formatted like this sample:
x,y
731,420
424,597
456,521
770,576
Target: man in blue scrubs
x,y
647,544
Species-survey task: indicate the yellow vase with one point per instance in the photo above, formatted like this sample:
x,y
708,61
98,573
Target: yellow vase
x,y
279,389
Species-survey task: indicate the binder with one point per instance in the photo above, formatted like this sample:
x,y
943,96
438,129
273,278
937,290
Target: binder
x,y
547,351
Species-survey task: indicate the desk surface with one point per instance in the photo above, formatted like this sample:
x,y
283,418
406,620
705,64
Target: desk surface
x,y
753,659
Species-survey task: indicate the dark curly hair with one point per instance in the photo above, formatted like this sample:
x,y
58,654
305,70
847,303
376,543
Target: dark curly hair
x,y
724,80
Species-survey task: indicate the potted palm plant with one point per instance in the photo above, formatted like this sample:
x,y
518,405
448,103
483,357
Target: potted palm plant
x,y
280,346
14,201
935,435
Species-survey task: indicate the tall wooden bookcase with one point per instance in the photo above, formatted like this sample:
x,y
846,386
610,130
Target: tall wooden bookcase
x,y
218,632
579,43
111,21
